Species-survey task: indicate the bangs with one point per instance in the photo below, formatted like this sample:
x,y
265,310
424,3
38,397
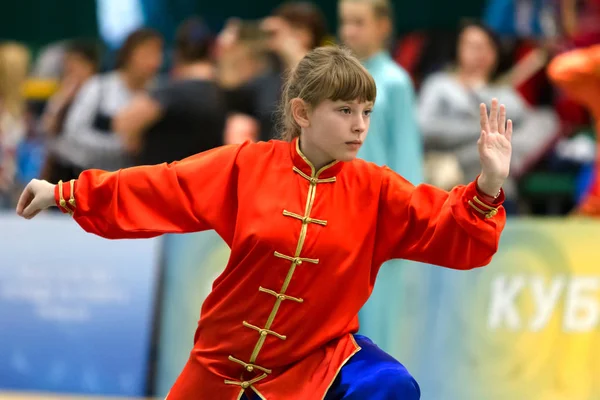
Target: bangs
x,y
346,79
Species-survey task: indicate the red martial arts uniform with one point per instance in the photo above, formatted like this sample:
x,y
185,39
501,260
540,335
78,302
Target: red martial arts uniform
x,y
306,247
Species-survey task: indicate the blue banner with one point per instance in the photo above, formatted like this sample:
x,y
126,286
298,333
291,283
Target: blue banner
x,y
76,310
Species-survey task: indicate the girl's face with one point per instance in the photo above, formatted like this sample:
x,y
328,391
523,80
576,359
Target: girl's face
x,y
334,130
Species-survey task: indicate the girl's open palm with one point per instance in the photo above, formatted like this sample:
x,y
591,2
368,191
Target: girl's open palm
x,y
495,142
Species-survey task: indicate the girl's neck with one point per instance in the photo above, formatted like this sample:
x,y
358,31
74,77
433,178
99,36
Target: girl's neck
x,y
315,156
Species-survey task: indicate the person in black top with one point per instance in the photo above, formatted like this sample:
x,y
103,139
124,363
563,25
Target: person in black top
x,y
291,31
183,117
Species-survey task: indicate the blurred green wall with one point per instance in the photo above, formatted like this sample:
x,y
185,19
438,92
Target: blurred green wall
x,y
38,22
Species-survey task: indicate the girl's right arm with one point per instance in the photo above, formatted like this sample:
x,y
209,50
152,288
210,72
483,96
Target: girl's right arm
x,y
195,194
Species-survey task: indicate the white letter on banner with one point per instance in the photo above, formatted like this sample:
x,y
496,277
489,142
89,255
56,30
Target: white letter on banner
x,y
502,307
545,301
581,308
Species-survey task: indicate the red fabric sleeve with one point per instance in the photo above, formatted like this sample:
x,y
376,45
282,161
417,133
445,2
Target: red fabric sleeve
x,y
430,225
195,194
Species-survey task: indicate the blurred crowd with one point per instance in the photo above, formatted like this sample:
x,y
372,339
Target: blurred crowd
x,y
67,109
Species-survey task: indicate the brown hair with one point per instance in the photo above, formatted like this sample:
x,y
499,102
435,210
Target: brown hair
x,y
325,73
381,8
86,49
306,15
133,41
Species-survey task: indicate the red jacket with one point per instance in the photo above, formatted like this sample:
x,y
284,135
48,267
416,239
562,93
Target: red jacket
x,y
306,247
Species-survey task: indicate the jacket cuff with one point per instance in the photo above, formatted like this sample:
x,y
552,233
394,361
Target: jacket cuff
x,y
64,196
482,204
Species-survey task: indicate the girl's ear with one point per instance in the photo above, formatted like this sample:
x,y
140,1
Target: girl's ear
x,y
300,112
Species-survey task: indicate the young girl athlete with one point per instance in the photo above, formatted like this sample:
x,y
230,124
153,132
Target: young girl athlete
x,y
309,226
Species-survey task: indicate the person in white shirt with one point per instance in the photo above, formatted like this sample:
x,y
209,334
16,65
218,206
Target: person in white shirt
x,y
88,140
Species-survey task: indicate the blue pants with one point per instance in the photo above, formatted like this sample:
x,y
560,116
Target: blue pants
x,y
374,375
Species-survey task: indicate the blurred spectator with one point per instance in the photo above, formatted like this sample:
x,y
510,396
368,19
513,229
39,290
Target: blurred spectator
x,y
246,55
578,73
88,141
80,62
394,139
244,60
183,117
291,31
449,113
14,67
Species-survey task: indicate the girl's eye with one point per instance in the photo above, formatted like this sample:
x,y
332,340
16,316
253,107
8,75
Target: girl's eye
x,y
368,112
345,111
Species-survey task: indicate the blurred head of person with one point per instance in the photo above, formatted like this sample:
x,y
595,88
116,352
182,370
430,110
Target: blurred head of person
x,y
478,52
14,69
297,23
193,42
81,61
141,56
365,25
246,57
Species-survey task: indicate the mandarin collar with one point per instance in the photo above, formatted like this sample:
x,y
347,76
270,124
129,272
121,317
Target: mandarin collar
x,y
303,164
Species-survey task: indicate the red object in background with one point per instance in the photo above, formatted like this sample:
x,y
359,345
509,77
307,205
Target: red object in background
x,y
408,52
588,25
578,73
534,86
571,113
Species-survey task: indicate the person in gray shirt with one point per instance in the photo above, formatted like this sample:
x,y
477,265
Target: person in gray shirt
x,y
448,108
